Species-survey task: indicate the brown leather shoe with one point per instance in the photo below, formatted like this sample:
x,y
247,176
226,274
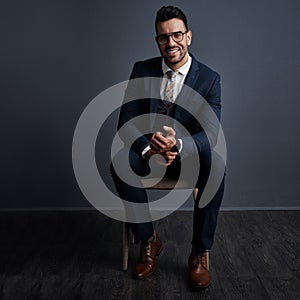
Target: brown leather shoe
x,y
148,251
199,269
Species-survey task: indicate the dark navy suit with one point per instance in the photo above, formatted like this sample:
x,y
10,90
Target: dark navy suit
x,y
200,80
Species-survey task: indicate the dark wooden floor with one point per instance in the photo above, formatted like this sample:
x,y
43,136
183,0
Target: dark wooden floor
x,y
77,255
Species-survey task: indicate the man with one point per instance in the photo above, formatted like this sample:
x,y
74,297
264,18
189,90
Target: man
x,y
177,68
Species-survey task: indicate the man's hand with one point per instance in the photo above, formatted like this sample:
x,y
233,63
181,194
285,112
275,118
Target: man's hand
x,y
165,158
169,157
163,143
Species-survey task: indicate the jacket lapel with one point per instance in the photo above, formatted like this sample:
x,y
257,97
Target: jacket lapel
x,y
188,98
192,75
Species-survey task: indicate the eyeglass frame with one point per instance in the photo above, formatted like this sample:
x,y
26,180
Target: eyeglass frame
x,y
168,35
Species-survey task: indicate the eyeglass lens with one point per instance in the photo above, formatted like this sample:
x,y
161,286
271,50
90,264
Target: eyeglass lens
x,y
176,36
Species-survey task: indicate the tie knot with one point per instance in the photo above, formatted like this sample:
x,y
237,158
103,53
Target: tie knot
x,y
171,74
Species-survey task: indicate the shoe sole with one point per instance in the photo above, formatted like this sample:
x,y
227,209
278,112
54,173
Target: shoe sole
x,y
196,287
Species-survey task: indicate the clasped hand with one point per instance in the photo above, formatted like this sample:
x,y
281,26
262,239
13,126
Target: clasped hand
x,y
162,144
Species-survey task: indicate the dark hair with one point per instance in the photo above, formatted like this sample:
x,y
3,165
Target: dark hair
x,y
166,13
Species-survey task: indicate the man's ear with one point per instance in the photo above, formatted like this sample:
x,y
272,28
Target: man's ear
x,y
189,35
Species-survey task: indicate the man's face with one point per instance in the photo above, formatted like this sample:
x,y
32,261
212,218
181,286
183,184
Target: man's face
x,y
174,53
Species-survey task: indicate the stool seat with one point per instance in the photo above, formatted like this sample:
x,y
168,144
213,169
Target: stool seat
x,y
165,183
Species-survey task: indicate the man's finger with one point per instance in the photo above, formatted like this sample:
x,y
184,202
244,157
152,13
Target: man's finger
x,y
170,131
170,156
159,142
159,137
154,143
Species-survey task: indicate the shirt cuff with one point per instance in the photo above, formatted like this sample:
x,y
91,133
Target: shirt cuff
x,y
145,150
180,145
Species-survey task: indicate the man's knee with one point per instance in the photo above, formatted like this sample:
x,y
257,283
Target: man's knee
x,y
128,160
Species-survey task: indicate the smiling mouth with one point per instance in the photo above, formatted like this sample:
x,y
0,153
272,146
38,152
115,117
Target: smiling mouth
x,y
172,50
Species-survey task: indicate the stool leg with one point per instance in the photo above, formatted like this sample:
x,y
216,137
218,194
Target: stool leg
x,y
195,193
125,245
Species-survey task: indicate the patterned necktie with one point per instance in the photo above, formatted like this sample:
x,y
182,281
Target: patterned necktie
x,y
169,92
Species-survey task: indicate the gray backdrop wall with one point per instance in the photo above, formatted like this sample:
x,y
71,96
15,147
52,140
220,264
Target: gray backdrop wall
x,y
56,56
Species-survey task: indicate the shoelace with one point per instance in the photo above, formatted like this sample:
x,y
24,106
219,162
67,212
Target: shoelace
x,y
198,259
144,250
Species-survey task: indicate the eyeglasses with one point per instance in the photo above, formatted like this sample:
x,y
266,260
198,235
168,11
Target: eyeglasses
x,y
176,37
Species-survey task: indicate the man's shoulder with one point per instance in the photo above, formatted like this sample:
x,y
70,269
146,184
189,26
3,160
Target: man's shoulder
x,y
203,68
148,67
150,62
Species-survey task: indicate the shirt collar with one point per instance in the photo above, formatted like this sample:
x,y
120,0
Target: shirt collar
x,y
183,70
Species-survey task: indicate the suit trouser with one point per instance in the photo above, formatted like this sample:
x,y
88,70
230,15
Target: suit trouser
x,y
204,219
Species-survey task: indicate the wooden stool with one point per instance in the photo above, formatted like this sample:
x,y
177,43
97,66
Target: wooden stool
x,y
164,184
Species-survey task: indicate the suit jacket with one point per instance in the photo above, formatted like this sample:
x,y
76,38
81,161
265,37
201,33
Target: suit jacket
x,y
197,107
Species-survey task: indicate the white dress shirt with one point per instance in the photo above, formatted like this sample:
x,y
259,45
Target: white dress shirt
x,y
179,79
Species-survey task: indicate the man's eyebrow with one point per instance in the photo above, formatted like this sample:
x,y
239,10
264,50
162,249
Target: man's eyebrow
x,y
170,33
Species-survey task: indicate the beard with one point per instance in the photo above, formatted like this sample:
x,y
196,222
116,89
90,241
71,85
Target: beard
x,y
174,58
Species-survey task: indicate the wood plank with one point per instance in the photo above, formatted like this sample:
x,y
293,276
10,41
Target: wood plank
x,y
77,255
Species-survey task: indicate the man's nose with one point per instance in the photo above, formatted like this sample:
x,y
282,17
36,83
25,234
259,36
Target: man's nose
x,y
171,41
